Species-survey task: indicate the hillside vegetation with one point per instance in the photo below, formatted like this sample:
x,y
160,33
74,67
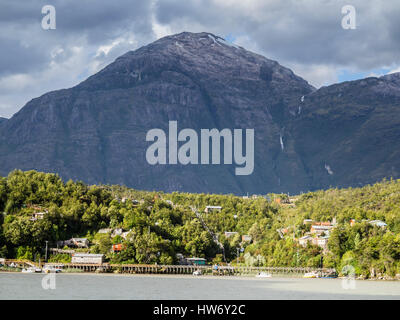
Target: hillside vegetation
x,y
161,225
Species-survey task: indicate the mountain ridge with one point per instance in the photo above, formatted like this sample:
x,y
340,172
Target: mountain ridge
x,y
95,131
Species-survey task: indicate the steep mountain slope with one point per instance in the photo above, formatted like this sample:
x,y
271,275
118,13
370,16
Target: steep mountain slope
x,y
96,131
343,134
348,134
2,122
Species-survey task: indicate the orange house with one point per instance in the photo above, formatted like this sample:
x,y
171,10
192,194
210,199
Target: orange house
x,y
117,247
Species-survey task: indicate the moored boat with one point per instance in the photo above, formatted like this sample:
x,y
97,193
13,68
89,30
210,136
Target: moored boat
x,y
311,275
264,275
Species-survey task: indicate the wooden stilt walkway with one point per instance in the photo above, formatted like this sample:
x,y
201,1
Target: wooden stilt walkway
x,y
189,269
177,269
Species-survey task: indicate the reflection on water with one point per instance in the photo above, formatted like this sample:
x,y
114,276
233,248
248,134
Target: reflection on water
x,y
108,286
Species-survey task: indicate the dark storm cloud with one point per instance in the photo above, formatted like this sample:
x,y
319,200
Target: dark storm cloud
x,y
305,35
306,32
15,58
89,34
98,21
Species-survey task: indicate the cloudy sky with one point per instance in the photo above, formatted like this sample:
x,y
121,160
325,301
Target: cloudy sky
x,y
304,35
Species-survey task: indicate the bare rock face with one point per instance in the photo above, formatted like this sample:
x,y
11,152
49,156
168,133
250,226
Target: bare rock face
x,y
96,131
348,134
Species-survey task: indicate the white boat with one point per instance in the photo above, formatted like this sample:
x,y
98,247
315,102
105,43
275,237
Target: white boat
x,y
32,270
311,275
51,269
264,275
197,273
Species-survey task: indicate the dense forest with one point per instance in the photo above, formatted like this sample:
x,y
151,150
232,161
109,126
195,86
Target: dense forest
x,y
158,226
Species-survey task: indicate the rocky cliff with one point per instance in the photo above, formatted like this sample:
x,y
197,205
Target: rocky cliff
x,y
345,134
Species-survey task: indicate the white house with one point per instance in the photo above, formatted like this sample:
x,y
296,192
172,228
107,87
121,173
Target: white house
x,y
105,230
80,242
321,229
378,223
37,215
303,241
321,242
117,232
246,238
124,235
212,208
87,258
229,234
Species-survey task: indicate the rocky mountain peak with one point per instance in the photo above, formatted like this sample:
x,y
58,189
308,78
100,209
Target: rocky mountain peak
x,y
96,131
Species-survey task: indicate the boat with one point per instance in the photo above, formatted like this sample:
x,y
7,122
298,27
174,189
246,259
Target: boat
x,y
311,275
32,270
197,273
51,269
330,276
264,275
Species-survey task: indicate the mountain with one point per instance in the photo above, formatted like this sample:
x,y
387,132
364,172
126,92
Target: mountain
x,y
348,134
2,119
305,138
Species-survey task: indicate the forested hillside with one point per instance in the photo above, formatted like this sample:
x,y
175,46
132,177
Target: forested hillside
x,y
159,225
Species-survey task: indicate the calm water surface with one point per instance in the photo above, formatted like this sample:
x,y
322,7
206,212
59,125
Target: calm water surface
x,y
94,286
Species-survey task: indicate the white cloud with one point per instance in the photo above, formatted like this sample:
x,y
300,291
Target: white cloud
x,y
305,36
316,75
394,70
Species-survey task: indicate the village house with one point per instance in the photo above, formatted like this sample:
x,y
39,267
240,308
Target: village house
x,y
212,208
81,242
196,261
320,229
75,242
190,261
322,223
87,258
124,235
117,247
303,241
246,238
37,215
378,223
307,221
117,232
105,230
321,242
229,234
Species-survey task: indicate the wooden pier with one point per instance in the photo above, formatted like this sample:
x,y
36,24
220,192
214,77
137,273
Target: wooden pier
x,y
189,269
177,269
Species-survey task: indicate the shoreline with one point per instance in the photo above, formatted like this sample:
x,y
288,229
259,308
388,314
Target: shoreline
x,y
189,276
